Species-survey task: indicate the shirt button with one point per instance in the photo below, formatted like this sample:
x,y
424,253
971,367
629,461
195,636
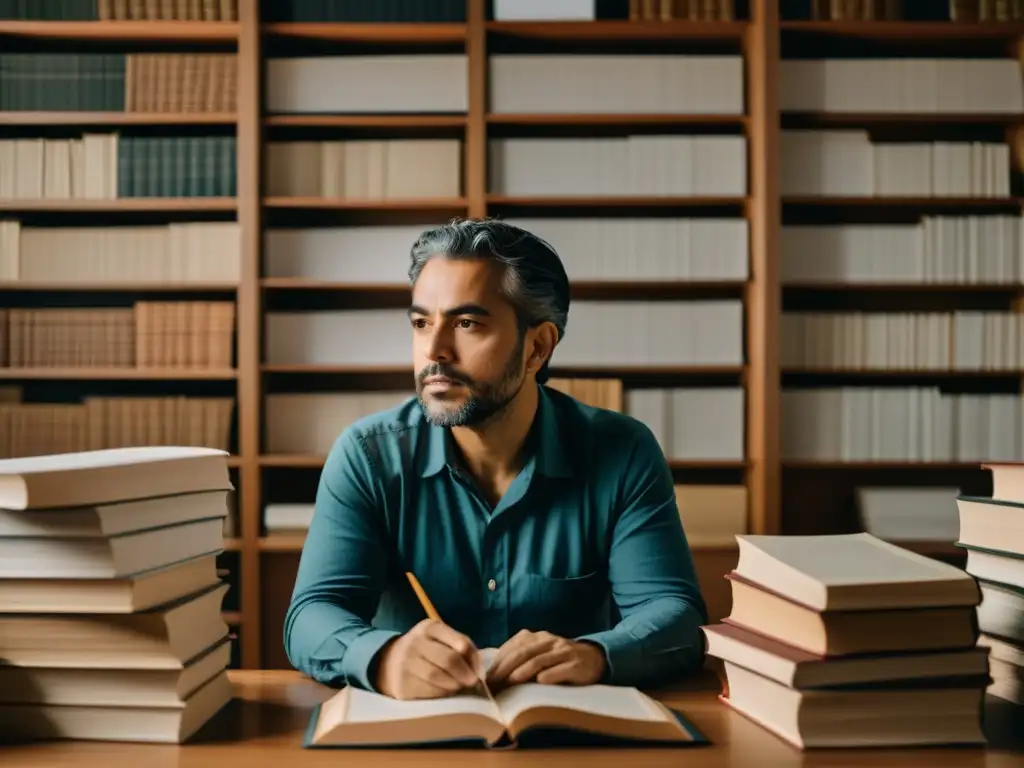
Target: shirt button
x,y
492,585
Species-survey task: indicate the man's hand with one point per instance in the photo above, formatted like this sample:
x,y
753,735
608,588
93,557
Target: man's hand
x,y
429,661
546,658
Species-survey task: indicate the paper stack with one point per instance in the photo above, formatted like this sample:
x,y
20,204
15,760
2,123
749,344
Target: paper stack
x,y
110,602
847,641
992,532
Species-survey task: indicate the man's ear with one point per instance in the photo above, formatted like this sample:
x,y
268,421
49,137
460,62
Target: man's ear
x,y
544,339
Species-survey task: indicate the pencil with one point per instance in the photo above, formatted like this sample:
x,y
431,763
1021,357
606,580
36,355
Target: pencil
x,y
424,600
433,614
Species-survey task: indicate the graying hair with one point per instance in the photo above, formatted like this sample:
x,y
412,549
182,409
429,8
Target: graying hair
x,y
534,281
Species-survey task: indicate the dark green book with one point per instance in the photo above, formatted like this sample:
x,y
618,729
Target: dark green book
x,y
529,715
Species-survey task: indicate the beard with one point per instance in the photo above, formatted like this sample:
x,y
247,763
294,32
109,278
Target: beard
x,y
484,401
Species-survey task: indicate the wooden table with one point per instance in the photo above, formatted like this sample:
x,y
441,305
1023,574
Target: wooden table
x,y
263,728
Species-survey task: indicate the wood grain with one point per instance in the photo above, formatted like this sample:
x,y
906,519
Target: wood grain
x,y
264,725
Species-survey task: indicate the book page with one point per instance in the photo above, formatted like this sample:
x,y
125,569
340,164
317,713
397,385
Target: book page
x,y
605,700
370,707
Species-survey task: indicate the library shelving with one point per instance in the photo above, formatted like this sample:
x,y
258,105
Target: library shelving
x,y
891,400
265,204
292,189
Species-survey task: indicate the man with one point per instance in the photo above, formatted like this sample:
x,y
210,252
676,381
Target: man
x,y
536,525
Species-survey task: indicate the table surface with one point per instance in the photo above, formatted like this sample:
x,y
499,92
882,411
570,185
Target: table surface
x,y
263,728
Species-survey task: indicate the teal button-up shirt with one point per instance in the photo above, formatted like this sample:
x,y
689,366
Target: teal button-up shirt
x,y
586,543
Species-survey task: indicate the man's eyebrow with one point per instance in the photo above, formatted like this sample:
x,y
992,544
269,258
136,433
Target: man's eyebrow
x,y
461,309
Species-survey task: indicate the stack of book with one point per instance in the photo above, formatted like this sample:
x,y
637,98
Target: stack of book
x,y
992,532
110,601
849,641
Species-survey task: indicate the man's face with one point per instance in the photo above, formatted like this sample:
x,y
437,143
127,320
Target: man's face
x,y
466,346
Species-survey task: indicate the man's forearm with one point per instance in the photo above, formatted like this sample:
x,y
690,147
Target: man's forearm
x,y
332,645
659,641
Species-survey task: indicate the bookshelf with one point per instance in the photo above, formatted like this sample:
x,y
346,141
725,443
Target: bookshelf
x,y
283,255
878,347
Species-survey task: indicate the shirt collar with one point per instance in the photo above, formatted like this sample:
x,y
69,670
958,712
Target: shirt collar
x,y
547,441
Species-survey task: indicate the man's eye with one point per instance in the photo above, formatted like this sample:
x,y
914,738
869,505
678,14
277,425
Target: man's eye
x,y
466,323
419,323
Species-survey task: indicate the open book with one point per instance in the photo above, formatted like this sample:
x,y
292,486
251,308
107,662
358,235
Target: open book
x,y
526,715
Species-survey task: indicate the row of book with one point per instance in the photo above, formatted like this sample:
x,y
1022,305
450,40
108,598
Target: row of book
x,y
682,10
379,11
621,83
900,424
921,341
161,10
960,11
848,163
40,428
591,249
935,250
894,86
365,168
517,83
182,253
110,166
119,10
695,423
117,82
947,250
843,10
635,165
111,624
601,334
192,335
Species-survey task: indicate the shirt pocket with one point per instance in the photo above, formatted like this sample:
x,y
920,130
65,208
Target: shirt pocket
x,y
567,607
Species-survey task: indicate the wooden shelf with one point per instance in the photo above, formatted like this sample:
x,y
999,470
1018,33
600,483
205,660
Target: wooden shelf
x,y
366,121
616,370
117,374
615,31
904,287
895,466
973,203
615,201
295,460
909,31
168,31
583,120
900,374
345,204
116,287
580,289
893,119
279,542
260,478
370,33
117,118
125,204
